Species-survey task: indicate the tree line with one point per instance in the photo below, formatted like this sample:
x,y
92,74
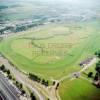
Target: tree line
x,y
38,79
17,83
96,77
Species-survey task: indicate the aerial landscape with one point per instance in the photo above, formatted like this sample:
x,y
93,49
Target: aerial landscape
x,y
49,49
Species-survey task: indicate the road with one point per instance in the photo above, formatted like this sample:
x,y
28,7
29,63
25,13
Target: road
x,y
73,76
21,77
2,97
40,91
7,89
30,84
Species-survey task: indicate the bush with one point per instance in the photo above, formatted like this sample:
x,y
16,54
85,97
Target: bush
x,y
98,53
2,67
32,96
90,74
96,77
8,72
23,92
10,77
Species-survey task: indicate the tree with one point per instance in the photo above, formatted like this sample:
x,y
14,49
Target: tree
x,y
43,81
32,96
2,67
54,82
57,86
98,68
23,92
98,53
97,76
46,83
90,74
9,76
34,77
8,71
17,82
20,85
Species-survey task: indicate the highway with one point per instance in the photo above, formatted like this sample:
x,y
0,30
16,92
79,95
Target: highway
x,y
7,89
22,78
2,96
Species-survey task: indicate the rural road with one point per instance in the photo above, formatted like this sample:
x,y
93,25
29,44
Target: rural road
x,y
8,89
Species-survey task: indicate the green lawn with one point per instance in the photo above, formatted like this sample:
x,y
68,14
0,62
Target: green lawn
x,y
78,89
82,40
78,42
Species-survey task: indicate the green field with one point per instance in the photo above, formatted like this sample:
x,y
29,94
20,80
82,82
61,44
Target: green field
x,y
50,39
78,89
55,51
